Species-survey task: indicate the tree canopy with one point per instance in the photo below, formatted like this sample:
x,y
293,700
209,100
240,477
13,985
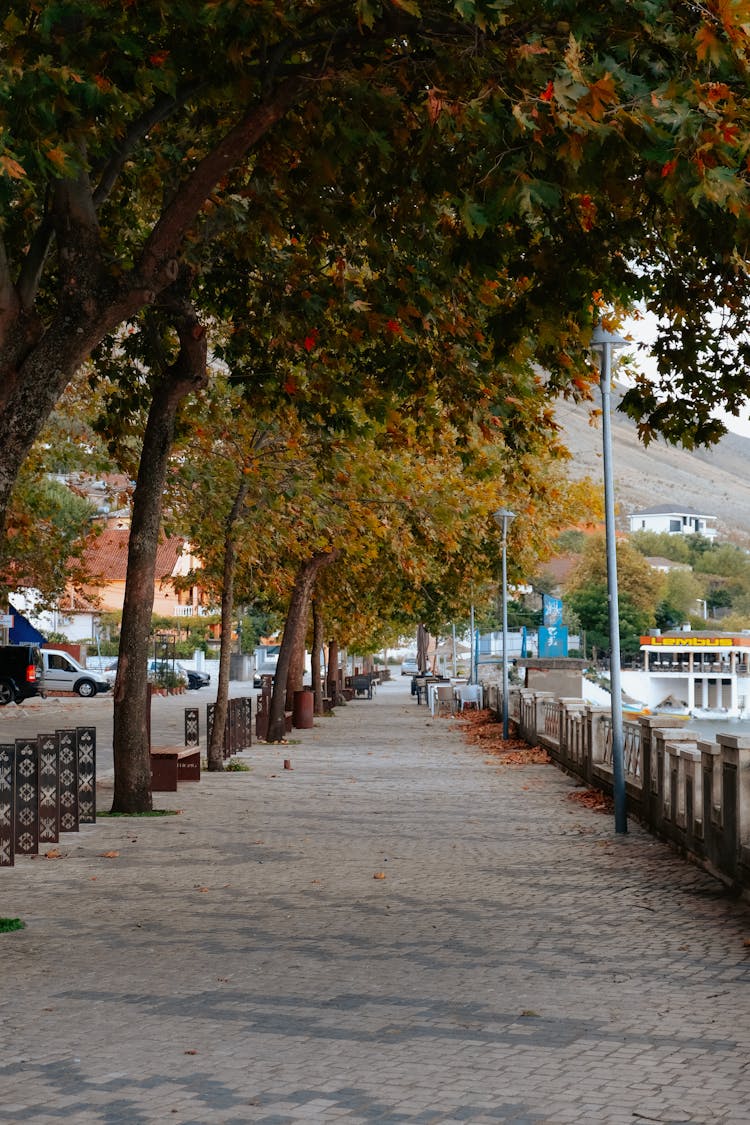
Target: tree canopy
x,y
573,155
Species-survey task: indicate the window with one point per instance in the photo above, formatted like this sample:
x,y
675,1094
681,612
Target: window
x,y
675,525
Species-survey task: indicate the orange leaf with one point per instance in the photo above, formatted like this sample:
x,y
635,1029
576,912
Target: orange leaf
x,y
379,875
11,167
109,855
56,156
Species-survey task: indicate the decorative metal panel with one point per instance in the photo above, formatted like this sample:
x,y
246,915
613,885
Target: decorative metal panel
x,y
49,788
192,726
7,763
68,780
26,811
86,745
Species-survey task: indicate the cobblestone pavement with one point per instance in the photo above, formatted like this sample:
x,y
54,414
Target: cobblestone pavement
x,y
242,963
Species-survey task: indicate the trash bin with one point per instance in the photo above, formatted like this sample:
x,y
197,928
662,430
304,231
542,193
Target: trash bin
x,y
302,709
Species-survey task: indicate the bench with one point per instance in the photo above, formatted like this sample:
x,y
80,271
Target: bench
x,y
170,764
362,685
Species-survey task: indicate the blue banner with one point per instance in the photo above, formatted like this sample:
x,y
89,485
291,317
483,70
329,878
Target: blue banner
x,y
553,640
552,609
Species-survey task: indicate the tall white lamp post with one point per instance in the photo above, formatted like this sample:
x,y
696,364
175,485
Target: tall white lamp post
x,y
503,516
604,342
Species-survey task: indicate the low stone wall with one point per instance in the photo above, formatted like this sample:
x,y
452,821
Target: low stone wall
x,y
694,793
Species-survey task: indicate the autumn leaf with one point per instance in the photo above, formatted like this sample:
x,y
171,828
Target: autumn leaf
x,y
57,156
109,855
10,167
379,875
708,44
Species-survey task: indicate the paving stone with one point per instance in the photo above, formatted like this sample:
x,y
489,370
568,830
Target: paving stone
x,y
239,964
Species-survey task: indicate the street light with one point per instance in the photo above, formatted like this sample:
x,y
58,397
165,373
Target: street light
x,y
503,516
604,342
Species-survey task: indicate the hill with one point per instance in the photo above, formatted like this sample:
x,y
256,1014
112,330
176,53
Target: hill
x,y
714,481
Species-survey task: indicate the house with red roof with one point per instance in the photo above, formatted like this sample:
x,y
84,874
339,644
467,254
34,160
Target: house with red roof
x,y
78,612
106,562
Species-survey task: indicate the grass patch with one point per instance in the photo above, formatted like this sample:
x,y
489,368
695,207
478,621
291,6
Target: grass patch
x,y
150,812
8,925
236,765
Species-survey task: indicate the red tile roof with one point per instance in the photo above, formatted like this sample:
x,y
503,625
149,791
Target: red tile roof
x,y
107,557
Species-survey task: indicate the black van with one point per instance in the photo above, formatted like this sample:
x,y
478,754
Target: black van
x,y
21,672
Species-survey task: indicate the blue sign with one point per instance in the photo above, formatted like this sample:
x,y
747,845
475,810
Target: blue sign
x,y
552,609
553,640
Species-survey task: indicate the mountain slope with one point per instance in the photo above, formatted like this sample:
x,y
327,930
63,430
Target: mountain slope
x,y
714,481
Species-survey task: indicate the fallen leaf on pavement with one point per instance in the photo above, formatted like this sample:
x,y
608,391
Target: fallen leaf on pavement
x,y
53,853
592,799
109,855
379,875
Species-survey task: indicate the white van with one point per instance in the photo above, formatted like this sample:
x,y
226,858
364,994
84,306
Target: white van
x,y
63,673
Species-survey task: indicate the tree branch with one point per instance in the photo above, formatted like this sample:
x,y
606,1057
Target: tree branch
x,y
77,232
36,256
8,297
164,241
161,109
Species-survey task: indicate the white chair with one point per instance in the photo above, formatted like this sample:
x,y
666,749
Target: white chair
x,y
470,695
444,699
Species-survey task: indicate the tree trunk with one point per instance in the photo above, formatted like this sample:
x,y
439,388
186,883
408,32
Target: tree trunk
x,y
332,677
317,645
296,676
130,732
216,744
296,621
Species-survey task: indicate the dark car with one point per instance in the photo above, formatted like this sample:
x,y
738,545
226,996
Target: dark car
x,y
21,673
195,679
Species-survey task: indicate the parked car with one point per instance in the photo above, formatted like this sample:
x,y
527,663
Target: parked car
x,y
21,673
195,679
410,667
188,675
62,672
110,672
167,672
266,657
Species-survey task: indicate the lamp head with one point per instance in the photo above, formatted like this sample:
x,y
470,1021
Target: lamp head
x,y
503,516
600,338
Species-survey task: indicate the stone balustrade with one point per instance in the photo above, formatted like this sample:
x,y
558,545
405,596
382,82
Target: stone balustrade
x,y
695,794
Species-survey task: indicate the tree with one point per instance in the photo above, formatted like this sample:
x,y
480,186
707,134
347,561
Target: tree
x,y
660,544
635,577
177,374
679,600
613,145
590,603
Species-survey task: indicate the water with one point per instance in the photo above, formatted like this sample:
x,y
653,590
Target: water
x,y
707,729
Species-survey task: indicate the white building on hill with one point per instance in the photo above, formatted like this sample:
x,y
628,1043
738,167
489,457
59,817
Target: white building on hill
x,y
674,521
